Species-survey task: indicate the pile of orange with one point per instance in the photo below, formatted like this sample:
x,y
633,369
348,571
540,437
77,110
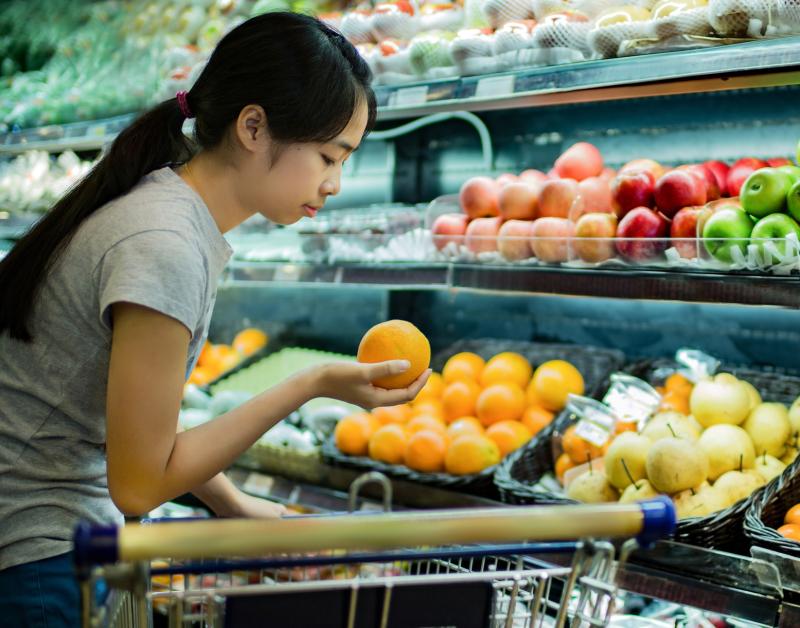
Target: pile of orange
x,y
467,418
791,524
217,359
675,393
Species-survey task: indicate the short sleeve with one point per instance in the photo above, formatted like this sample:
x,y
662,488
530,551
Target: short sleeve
x,y
158,269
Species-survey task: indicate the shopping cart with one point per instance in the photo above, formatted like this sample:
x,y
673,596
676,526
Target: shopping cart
x,y
468,568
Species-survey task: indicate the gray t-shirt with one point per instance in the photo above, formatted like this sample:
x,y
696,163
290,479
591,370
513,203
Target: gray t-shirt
x,y
156,246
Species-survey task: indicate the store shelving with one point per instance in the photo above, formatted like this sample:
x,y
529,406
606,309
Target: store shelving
x,y
89,135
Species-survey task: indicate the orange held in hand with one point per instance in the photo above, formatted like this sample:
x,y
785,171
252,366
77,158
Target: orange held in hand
x,y
388,444
463,366
353,432
509,436
500,402
425,451
471,454
553,382
396,340
507,367
459,399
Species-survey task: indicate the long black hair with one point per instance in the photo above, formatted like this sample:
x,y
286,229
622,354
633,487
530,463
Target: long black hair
x,y
305,75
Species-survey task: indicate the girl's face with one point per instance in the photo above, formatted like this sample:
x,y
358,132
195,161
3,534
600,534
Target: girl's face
x,y
302,177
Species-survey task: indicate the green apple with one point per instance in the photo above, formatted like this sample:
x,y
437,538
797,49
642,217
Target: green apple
x,y
727,229
797,154
774,227
765,192
793,200
792,171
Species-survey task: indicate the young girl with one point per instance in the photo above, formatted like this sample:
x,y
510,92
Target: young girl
x,y
105,303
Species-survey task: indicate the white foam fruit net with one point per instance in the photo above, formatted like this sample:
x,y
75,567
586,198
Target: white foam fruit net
x,y
754,18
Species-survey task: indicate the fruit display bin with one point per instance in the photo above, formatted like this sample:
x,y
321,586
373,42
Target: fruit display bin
x,y
766,513
517,474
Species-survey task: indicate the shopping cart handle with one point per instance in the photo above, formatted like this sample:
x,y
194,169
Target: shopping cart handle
x,y
95,545
659,520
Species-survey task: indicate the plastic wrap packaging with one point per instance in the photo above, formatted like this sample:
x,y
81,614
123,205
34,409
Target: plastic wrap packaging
x,y
564,36
395,20
472,52
616,26
754,18
442,17
500,12
689,22
356,25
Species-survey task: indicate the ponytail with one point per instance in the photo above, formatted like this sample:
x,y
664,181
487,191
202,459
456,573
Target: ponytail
x,y
154,140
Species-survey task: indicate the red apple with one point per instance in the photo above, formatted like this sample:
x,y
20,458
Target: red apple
x,y
594,196
551,239
594,237
514,240
580,161
679,188
608,174
533,176
739,172
552,175
556,198
720,171
651,229
449,228
777,162
707,178
518,201
633,188
479,197
683,231
481,234
648,165
506,178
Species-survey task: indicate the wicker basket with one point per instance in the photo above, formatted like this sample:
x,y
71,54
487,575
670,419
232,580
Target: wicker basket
x,y
480,484
722,530
766,512
594,363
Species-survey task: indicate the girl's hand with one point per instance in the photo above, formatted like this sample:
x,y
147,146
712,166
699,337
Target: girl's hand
x,y
251,507
351,382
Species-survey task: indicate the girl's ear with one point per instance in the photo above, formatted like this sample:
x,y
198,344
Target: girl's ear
x,y
251,128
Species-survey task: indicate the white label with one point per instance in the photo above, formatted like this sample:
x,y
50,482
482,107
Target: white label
x,y
495,86
258,484
411,96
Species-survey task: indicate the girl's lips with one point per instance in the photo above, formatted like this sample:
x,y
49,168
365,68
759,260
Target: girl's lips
x,y
311,212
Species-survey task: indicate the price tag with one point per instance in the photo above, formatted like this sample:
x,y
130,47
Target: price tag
x,y
411,96
258,484
96,130
495,86
287,272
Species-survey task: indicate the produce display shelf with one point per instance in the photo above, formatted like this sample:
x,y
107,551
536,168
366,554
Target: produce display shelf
x,y
752,64
662,285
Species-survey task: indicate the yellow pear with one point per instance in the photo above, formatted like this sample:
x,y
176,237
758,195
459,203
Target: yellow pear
x,y
676,464
638,492
721,400
755,396
790,455
669,424
794,417
769,427
736,485
625,459
768,467
592,488
699,502
728,447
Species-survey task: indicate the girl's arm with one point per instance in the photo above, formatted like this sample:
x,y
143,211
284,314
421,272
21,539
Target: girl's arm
x,y
148,461
226,500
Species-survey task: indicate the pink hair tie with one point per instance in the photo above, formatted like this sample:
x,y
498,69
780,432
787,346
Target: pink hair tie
x,y
184,104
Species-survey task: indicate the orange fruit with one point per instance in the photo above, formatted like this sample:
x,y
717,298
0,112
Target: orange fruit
x,y
677,383
396,340
459,399
422,422
563,464
201,376
675,401
500,402
471,453
507,367
425,451
625,426
201,359
432,389
388,444
430,407
353,432
217,356
392,414
508,436
553,381
577,449
536,418
250,341
463,366
790,531
464,425
793,515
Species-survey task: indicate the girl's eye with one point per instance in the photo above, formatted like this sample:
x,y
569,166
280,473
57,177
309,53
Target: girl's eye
x,y
328,161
